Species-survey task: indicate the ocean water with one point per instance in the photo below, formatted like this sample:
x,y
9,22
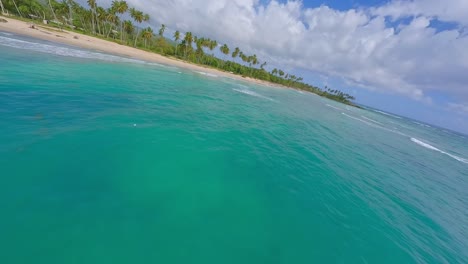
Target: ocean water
x,y
106,159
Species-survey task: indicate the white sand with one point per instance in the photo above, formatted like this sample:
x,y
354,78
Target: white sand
x,y
88,42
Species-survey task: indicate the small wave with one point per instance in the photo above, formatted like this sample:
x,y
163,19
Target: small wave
x,y
421,124
334,107
242,86
207,74
358,119
159,65
372,124
6,34
372,120
387,114
428,146
62,50
252,93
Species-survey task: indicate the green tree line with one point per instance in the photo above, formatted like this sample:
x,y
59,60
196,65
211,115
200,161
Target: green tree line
x,y
124,24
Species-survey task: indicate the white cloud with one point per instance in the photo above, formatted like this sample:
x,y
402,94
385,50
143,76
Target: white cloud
x,y
461,108
410,58
445,10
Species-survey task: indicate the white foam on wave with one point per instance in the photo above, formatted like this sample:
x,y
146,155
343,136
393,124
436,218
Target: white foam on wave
x,y
62,50
160,65
334,107
428,146
207,74
421,124
372,120
252,93
387,114
358,119
417,141
373,124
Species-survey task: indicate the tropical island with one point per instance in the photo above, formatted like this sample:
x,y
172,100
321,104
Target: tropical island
x,y
113,24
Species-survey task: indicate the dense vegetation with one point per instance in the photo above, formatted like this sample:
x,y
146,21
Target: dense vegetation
x,y
114,23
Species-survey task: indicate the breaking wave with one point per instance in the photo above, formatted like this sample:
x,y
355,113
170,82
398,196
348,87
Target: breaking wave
x,y
387,114
207,74
334,107
373,124
417,141
62,50
428,146
421,124
372,120
252,93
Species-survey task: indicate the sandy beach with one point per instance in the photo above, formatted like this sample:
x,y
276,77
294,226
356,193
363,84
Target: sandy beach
x,y
84,41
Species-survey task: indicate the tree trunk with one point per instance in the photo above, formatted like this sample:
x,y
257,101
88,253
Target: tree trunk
x,y
97,24
14,2
1,5
70,14
121,31
82,22
110,29
136,38
92,20
50,5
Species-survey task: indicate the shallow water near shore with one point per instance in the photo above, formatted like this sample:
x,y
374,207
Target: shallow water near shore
x,y
109,160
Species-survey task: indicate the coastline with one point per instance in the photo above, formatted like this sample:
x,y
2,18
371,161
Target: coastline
x,y
88,42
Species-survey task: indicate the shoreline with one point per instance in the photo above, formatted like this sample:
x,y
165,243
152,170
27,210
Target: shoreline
x,y
93,43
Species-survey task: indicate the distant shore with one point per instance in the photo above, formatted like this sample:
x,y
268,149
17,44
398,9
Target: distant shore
x,y
44,32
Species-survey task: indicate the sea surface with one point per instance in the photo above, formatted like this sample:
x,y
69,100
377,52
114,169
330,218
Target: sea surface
x,y
105,159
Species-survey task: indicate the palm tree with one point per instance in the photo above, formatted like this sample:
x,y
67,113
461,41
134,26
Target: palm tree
x,y
212,44
120,7
243,57
199,43
254,60
92,5
101,16
138,17
274,71
111,18
236,52
225,50
281,73
147,34
161,30
128,27
188,42
176,39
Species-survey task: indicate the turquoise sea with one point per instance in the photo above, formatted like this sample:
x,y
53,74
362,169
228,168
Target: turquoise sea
x,y
105,159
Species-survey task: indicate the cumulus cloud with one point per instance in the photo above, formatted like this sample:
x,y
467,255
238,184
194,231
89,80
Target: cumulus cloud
x,y
461,108
447,10
372,47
